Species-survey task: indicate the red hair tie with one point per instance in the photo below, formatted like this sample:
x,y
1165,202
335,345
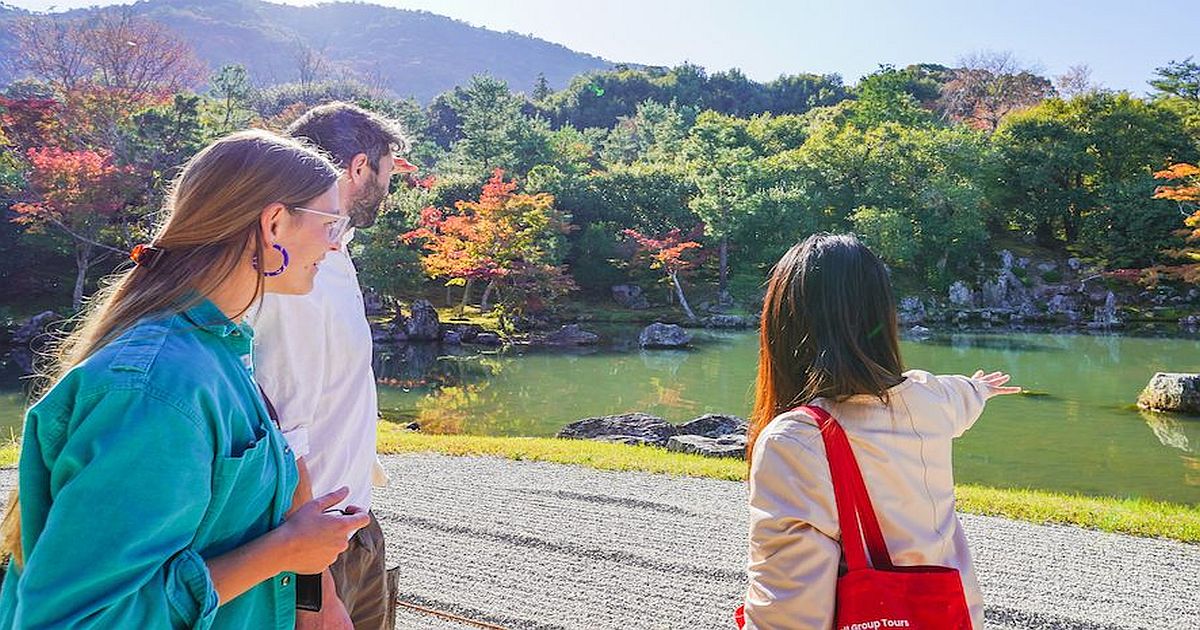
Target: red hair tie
x,y
144,255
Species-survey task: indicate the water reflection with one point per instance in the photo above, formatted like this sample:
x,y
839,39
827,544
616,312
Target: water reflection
x,y
969,341
1174,431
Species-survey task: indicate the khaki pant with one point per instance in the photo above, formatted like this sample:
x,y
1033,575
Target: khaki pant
x,y
362,580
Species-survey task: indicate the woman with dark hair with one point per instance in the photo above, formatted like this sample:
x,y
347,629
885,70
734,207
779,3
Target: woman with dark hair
x,y
828,339
154,487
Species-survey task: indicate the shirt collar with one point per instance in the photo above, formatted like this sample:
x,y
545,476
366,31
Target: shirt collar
x,y
206,316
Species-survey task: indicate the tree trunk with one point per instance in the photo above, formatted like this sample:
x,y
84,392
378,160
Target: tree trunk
x,y
83,261
723,297
462,307
682,300
484,305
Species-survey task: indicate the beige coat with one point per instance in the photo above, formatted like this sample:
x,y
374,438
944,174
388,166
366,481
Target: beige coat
x,y
903,450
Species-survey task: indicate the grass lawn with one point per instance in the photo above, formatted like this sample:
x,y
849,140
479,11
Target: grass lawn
x,y
1125,516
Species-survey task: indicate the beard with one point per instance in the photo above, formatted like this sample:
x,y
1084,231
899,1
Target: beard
x,y
364,208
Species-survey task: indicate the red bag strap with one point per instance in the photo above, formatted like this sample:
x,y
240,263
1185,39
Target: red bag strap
x,y
856,514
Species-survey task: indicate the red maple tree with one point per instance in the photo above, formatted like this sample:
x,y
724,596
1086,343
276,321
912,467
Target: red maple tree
x,y
673,253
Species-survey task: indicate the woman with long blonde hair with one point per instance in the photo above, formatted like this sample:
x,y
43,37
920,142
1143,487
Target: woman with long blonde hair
x,y
154,488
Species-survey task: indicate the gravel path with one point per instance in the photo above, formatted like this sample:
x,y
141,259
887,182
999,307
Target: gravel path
x,y
537,546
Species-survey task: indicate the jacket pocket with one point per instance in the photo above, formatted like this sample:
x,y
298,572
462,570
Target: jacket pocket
x,y
243,488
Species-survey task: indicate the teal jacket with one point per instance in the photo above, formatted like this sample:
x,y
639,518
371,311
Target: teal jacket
x,y
149,457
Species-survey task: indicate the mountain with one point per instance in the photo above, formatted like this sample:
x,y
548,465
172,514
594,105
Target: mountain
x,y
410,53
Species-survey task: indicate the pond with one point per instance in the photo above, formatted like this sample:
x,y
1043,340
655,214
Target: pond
x,y
1081,435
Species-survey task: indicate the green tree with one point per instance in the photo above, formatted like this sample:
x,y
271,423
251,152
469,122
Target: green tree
x,y
915,194
654,133
1177,89
721,163
796,94
230,87
1077,173
541,89
494,131
1179,78
883,97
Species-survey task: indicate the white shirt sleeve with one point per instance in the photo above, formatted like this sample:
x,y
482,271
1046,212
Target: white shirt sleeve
x,y
289,343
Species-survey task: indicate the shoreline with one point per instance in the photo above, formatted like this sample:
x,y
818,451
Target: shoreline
x,y
1130,516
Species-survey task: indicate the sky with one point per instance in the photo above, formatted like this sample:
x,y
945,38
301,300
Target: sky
x,y
1122,42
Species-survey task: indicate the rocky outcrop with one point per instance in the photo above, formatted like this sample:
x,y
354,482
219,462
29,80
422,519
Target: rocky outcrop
x,y
1019,291
727,321
569,335
488,339
724,446
910,310
630,296
715,435
372,303
647,428
919,332
961,296
660,335
456,334
422,323
1169,391
713,425
31,338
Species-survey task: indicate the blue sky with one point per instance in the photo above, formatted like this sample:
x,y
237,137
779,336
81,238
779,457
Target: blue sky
x,y
1122,42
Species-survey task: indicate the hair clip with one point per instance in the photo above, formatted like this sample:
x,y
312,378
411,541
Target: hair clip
x,y
144,255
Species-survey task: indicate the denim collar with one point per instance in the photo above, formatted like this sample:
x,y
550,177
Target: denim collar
x,y
206,316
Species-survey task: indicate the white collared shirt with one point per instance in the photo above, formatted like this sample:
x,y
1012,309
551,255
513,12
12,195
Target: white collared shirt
x,y
312,356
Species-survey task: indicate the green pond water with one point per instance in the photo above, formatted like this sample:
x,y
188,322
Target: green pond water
x,y
1082,435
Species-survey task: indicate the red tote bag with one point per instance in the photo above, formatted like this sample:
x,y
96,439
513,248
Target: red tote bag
x,y
880,595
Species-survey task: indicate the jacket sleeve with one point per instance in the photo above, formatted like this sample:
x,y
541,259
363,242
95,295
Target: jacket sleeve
x,y
126,495
289,350
794,553
965,398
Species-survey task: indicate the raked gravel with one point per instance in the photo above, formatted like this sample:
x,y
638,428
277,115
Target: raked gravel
x,y
537,546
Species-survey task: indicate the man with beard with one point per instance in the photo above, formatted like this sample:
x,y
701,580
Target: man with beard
x,y
313,360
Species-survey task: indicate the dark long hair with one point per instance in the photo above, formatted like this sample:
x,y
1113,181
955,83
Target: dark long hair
x,y
828,329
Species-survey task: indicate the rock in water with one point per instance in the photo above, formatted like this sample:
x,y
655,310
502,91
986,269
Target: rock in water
x,y
660,335
571,335
1169,391
422,324
726,321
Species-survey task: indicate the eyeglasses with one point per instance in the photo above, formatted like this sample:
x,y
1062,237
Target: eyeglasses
x,y
337,229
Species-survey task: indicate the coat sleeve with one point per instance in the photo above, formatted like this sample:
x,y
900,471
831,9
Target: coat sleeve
x,y
794,553
964,401
126,495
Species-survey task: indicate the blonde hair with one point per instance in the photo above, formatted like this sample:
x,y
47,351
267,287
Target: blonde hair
x,y
209,219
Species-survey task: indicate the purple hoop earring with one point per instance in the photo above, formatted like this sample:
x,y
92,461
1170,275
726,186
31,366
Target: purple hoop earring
x,y
271,274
